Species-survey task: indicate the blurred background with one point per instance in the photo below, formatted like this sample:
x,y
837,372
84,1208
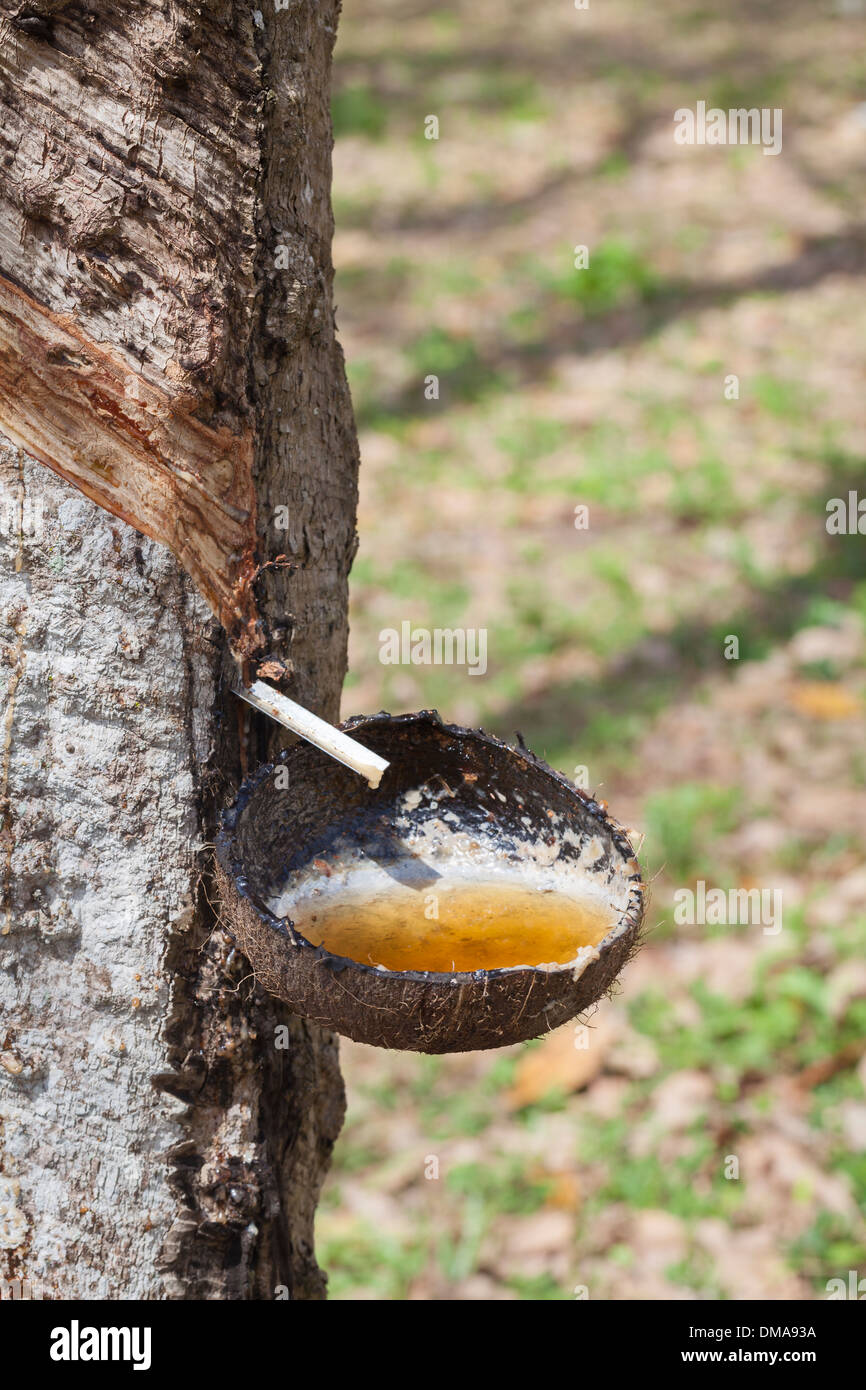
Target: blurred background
x,y
605,1166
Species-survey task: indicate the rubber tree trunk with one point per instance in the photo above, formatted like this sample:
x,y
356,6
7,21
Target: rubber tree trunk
x,y
165,224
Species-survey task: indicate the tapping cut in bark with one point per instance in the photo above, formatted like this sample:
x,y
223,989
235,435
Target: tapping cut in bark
x,y
136,449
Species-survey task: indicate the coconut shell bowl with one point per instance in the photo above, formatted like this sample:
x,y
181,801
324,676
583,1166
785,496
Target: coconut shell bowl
x,y
475,899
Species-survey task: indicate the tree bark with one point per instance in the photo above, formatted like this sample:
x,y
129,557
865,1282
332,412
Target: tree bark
x,y
165,231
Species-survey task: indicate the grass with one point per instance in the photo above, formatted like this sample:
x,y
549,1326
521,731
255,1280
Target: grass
x,y
368,1260
783,1026
616,275
691,1187
604,387
457,361
828,1250
683,824
359,110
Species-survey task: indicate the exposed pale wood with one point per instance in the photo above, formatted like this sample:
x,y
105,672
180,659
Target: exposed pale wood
x,y
135,448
